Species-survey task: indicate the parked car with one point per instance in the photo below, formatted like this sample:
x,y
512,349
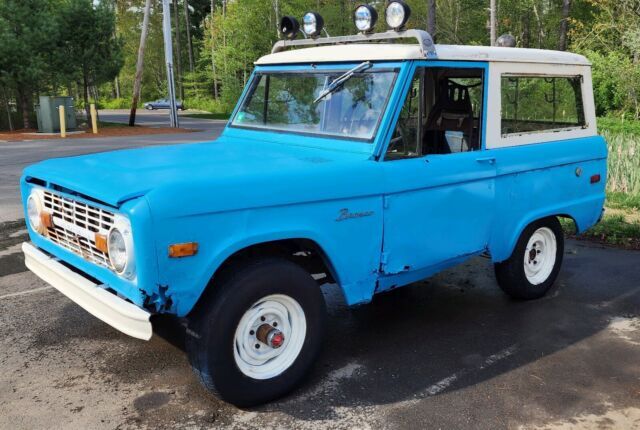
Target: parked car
x,y
162,104
355,161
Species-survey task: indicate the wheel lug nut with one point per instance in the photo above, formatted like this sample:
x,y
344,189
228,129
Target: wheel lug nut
x,y
257,346
252,332
262,318
275,324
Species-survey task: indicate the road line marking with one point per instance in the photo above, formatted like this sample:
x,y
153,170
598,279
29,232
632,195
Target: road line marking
x,y
24,293
442,385
445,383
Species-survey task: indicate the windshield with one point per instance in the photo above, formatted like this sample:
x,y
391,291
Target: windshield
x,y
287,102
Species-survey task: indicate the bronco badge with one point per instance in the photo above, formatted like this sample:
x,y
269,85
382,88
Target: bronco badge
x,y
344,214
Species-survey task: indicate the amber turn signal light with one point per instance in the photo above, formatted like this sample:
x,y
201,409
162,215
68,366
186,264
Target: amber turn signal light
x,y
179,250
45,219
101,243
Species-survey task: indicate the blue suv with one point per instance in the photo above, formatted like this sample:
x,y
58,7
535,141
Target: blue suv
x,y
348,160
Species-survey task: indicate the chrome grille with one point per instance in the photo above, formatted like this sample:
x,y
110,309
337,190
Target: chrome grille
x,y
75,224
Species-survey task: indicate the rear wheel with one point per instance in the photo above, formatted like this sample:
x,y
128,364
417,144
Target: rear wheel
x,y
535,262
258,332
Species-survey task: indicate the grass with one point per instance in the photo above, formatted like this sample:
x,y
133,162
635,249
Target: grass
x,y
210,115
621,223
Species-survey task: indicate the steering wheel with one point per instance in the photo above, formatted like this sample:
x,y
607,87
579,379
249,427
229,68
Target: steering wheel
x,y
395,140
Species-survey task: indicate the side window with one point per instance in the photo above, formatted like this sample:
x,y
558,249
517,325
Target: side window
x,y
539,104
442,114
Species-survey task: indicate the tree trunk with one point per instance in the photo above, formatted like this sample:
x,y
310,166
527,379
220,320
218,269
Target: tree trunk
x,y
493,24
564,25
540,26
6,104
277,12
526,30
431,18
85,92
23,106
117,85
137,82
176,20
188,25
213,60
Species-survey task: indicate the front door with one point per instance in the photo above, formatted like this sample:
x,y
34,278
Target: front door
x,y
439,179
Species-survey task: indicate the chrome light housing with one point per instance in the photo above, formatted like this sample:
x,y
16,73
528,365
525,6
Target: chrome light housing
x,y
397,14
120,246
35,206
312,24
365,18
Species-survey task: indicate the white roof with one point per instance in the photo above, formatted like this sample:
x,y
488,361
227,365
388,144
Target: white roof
x,y
399,52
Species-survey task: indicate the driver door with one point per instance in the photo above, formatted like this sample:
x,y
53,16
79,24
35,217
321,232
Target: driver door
x,y
438,207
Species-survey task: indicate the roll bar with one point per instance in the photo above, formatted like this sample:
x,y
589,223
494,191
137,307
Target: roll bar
x,y
425,41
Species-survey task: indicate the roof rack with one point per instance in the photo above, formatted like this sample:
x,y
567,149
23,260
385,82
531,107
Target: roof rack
x,y
424,39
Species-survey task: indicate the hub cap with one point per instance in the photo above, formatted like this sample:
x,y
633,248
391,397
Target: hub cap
x,y
540,255
269,336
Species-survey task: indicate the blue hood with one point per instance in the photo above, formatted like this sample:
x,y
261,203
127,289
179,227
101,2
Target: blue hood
x,y
117,176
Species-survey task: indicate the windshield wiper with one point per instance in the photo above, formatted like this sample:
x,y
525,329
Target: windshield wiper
x,y
337,82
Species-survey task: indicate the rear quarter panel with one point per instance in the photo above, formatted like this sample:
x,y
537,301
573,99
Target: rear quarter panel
x,y
547,179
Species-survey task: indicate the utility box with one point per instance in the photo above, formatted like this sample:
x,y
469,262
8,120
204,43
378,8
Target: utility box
x,y
49,116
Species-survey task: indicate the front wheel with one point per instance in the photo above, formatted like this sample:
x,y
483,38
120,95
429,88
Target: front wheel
x,y
535,262
258,332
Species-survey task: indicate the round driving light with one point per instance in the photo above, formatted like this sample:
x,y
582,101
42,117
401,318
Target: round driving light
x,y
397,14
506,41
289,27
117,250
365,18
34,209
312,24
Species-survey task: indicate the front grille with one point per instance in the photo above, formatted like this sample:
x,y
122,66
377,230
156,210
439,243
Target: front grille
x,y
75,224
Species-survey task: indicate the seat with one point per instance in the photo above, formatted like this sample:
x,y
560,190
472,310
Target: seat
x,y
450,124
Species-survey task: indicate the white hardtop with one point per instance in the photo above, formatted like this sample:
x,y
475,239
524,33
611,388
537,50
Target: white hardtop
x,y
355,52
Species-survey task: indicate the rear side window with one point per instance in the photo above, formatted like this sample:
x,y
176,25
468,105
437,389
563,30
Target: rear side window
x,y
541,103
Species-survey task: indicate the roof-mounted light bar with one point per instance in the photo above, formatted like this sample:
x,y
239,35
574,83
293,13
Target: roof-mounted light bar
x,y
425,41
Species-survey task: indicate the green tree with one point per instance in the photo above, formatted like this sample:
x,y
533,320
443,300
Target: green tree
x,y
28,34
92,52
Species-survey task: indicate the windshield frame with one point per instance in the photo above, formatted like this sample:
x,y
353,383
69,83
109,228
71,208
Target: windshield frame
x,y
312,69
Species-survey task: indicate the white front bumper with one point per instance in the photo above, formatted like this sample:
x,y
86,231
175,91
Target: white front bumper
x,y
117,312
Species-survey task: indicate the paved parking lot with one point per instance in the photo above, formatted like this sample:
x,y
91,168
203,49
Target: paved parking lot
x,y
452,352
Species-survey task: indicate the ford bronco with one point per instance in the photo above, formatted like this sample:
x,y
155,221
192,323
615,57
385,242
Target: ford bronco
x,y
355,160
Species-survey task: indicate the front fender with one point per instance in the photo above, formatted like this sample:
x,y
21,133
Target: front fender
x,y
220,235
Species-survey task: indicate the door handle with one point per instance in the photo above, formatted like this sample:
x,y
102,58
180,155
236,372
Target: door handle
x,y
487,160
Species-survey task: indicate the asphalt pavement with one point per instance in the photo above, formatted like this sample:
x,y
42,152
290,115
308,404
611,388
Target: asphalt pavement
x,y
450,352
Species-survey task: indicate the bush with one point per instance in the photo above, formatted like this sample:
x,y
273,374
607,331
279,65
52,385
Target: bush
x,y
616,84
205,104
116,104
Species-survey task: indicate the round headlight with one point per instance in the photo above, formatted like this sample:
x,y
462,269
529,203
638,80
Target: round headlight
x,y
365,18
312,24
117,250
397,14
120,246
34,209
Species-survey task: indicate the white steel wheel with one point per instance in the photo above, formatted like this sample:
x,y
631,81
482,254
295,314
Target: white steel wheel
x,y
269,336
540,255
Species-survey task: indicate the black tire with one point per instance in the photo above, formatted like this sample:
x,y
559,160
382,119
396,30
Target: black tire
x,y
212,326
511,274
